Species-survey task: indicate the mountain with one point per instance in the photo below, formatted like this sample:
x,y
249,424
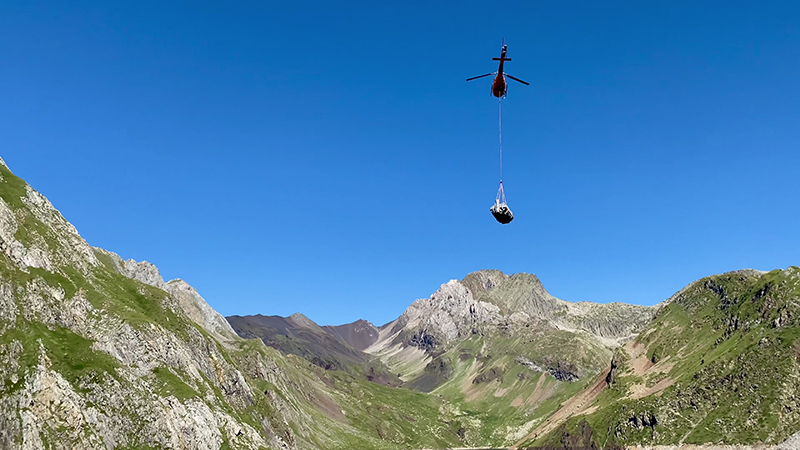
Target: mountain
x,y
93,354
572,339
327,347
97,352
503,346
720,363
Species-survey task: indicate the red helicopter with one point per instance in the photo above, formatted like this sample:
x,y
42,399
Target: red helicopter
x,y
499,85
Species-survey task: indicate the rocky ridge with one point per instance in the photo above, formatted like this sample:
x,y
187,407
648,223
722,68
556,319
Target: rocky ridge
x,y
515,308
191,303
489,299
322,346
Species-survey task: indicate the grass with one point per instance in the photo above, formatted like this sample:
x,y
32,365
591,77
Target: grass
x,y
70,355
29,228
382,417
54,280
171,384
12,189
132,301
106,260
400,416
495,417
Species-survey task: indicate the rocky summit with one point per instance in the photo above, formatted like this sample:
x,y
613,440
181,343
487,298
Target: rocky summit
x,y
99,352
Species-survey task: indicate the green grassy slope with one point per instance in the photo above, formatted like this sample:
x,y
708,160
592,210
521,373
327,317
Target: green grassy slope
x,y
489,381
729,347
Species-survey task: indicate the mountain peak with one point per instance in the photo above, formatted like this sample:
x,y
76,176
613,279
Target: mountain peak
x,y
82,327
489,300
302,321
359,334
483,281
520,292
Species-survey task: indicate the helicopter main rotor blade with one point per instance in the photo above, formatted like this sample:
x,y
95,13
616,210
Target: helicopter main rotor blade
x,y
480,76
517,79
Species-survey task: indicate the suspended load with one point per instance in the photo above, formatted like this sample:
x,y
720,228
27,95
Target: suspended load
x,y
500,209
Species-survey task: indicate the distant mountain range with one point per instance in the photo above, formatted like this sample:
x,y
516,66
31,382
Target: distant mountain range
x,y
97,352
331,348
727,347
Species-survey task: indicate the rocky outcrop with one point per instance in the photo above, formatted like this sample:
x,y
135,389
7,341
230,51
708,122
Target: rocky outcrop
x,y
440,367
528,363
563,371
450,314
196,308
495,373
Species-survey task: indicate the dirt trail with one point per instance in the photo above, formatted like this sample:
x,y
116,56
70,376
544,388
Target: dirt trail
x,y
643,367
571,407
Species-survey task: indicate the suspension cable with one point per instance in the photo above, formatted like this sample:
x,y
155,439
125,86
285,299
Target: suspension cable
x,y
500,121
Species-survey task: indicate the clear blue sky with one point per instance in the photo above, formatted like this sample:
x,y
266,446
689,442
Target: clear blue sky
x,y
330,158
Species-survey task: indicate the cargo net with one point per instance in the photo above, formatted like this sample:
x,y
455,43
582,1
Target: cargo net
x,y
500,209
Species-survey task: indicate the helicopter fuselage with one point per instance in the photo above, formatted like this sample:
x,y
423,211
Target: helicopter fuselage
x,y
499,85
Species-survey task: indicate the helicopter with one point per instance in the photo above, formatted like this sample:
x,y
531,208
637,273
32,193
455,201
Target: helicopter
x,y
499,85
